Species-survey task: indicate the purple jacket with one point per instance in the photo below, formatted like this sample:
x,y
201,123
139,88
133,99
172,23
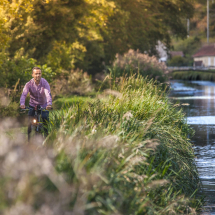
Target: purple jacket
x,y
39,95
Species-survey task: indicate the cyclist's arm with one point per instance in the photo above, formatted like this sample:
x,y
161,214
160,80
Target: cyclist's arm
x,y
23,96
48,94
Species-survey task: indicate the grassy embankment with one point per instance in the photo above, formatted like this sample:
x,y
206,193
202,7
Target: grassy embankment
x,y
121,151
127,153
207,75
135,143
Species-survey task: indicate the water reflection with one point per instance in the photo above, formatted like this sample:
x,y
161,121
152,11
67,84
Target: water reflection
x,y
201,116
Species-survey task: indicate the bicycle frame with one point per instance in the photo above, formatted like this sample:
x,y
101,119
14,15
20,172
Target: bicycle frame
x,y
36,121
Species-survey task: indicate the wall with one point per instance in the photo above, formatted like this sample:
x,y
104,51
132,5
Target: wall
x,y
208,61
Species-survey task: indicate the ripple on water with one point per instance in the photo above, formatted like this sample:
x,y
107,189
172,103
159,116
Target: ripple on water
x,y
201,120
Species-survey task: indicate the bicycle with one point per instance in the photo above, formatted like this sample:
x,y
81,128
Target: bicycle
x,y
36,122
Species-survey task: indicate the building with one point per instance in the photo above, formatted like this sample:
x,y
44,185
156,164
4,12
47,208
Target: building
x,y
205,57
176,54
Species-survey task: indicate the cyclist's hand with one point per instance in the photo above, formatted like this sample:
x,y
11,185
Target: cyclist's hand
x,y
49,107
22,106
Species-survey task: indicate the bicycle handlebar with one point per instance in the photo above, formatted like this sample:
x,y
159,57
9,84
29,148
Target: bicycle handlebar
x,y
29,108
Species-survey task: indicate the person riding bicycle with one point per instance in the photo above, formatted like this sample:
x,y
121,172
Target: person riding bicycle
x,y
40,94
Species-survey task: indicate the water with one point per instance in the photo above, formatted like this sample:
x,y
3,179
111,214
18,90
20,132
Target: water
x,y
198,101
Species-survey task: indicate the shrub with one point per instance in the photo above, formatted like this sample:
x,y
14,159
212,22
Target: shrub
x,y
179,61
9,104
13,69
75,82
135,62
65,56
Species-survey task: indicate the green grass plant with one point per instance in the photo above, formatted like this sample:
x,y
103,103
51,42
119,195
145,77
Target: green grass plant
x,y
69,101
128,154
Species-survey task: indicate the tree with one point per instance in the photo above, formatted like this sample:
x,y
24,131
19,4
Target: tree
x,y
10,11
86,33
140,24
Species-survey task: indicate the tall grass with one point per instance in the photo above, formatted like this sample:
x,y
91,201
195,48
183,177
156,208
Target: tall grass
x,y
128,154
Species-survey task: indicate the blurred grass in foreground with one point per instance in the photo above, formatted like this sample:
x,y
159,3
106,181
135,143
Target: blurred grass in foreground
x,y
127,154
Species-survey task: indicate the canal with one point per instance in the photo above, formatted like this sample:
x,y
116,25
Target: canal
x,y
197,98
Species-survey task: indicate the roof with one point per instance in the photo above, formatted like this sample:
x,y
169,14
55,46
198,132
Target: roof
x,y
208,50
176,53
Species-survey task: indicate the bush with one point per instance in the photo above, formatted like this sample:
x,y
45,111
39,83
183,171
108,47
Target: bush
x,y
179,61
75,82
65,56
188,46
12,70
135,62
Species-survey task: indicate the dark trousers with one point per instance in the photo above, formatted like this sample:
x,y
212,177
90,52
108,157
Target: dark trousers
x,y
45,119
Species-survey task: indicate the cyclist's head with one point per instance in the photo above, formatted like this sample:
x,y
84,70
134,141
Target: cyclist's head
x,y
36,74
36,68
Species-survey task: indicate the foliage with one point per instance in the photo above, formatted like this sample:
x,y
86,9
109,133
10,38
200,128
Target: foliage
x,y
179,61
74,82
65,102
86,33
66,56
208,75
135,62
198,24
10,11
12,70
9,101
11,110
189,47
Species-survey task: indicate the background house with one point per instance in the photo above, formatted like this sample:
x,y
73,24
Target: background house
x,y
176,54
205,56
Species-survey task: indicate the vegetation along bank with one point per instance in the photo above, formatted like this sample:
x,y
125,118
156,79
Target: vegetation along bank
x,y
204,75
118,147
125,153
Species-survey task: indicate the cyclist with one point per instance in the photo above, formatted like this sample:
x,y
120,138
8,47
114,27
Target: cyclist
x,y
40,94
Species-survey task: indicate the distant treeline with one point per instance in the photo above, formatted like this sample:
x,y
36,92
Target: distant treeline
x,y
87,34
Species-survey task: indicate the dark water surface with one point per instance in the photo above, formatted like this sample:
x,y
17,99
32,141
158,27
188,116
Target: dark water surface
x,y
200,95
